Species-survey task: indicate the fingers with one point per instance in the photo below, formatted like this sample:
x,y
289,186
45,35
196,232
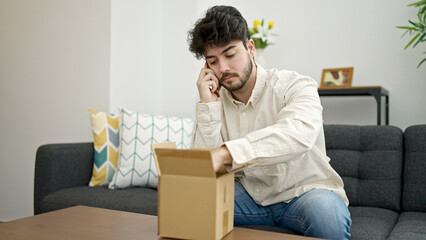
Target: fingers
x,y
208,82
208,78
207,85
206,71
211,77
213,86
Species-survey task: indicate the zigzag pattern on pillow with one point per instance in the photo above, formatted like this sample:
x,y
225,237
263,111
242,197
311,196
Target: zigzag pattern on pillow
x,y
106,141
138,131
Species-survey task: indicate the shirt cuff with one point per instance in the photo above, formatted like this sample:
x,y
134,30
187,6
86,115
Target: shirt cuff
x,y
206,112
241,152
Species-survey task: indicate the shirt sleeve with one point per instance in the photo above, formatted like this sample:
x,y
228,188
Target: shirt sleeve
x,y
208,123
294,133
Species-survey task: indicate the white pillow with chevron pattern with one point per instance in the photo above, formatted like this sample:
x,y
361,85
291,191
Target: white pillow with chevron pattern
x,y
136,164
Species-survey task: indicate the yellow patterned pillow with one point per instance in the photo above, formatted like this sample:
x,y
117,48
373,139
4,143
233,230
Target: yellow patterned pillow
x,y
106,141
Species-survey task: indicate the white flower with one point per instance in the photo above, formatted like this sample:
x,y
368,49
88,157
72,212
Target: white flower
x,y
265,34
262,35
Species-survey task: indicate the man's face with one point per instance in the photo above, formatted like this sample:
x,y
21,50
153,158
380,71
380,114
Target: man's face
x,y
232,64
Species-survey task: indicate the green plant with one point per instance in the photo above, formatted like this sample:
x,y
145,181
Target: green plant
x,y
417,28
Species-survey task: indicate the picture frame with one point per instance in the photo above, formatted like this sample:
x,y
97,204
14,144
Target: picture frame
x,y
337,77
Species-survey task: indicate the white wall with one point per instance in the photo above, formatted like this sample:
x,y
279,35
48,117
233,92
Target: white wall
x,y
54,61
151,69
136,35
60,57
314,35
179,66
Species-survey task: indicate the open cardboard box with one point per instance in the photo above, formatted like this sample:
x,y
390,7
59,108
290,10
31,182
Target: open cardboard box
x,y
194,202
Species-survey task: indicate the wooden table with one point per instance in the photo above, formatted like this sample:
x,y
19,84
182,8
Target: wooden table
x,y
376,91
96,223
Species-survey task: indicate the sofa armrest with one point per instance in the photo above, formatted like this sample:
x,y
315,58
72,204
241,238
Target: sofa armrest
x,y
60,166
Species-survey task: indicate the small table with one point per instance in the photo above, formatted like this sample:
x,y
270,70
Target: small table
x,y
376,91
82,222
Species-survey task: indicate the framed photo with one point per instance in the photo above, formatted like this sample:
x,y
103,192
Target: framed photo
x,y
337,77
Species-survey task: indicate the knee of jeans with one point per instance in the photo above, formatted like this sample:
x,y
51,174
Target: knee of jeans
x,y
330,230
329,217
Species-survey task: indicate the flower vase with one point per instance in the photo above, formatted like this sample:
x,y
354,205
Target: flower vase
x,y
259,57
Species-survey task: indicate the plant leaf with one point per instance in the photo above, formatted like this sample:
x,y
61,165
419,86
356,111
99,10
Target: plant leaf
x,y
408,28
419,3
420,39
424,60
405,33
418,25
412,40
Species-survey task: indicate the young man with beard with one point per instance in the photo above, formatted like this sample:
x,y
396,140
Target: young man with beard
x,y
268,123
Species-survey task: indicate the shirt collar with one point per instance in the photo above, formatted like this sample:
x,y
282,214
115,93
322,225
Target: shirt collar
x,y
259,86
257,90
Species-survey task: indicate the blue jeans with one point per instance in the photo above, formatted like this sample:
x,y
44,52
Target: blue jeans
x,y
316,213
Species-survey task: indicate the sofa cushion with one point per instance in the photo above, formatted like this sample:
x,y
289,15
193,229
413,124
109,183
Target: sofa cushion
x,y
139,200
136,164
414,190
371,223
105,136
369,160
410,225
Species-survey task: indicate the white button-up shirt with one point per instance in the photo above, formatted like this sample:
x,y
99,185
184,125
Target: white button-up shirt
x,y
277,137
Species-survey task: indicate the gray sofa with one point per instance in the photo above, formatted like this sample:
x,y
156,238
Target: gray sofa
x,y
383,169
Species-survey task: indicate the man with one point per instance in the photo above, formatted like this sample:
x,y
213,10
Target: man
x,y
267,123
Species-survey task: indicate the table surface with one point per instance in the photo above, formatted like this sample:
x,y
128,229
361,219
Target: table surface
x,y
354,87
357,90
83,222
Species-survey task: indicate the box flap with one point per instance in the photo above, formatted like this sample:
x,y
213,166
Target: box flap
x,y
185,162
155,146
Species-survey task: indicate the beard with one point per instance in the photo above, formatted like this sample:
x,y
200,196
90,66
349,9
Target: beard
x,y
243,79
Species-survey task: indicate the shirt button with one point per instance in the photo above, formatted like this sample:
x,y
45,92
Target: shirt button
x,y
206,112
243,157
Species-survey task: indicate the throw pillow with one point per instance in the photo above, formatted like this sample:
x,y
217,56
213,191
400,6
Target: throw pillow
x,y
136,164
106,140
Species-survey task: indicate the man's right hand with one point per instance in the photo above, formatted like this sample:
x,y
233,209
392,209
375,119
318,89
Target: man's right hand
x,y
220,157
207,85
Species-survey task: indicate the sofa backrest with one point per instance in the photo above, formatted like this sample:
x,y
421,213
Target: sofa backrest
x,y
60,166
414,176
369,160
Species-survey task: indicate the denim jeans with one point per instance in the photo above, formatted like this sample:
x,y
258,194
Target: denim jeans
x,y
316,213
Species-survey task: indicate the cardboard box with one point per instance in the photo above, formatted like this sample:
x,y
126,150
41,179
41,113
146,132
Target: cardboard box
x,y
194,202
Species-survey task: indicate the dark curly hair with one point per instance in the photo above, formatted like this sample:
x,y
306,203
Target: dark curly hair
x,y
220,26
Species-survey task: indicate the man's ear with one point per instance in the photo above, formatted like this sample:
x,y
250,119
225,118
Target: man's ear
x,y
250,47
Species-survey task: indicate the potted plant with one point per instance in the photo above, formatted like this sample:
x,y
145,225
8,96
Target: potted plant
x,y
262,37
418,29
